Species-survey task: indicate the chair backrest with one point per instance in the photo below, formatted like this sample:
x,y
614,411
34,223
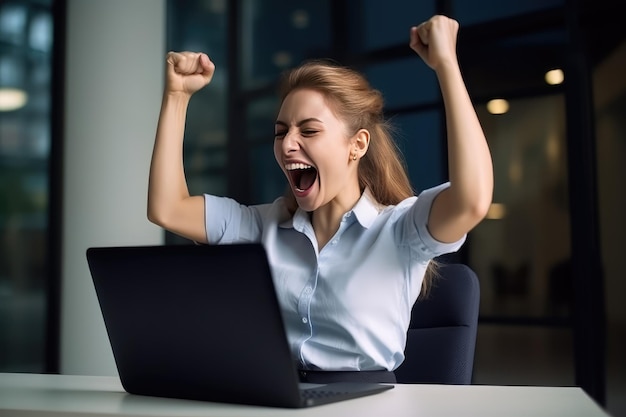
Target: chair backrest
x,y
442,335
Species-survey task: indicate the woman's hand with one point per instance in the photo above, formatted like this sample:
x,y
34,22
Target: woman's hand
x,y
435,41
188,72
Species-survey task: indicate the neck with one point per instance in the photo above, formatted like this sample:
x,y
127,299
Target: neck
x,y
327,218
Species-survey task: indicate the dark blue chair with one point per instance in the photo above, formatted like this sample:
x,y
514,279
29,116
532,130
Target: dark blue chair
x,y
442,335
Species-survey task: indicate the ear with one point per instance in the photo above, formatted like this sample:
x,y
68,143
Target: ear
x,y
361,142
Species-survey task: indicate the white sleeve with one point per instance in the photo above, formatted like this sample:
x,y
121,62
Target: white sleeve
x,y
227,221
427,244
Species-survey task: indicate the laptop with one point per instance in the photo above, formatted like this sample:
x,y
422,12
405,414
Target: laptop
x,y
202,322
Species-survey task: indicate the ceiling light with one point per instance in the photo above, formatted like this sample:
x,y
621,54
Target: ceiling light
x,y
554,77
282,59
498,106
496,211
12,99
300,19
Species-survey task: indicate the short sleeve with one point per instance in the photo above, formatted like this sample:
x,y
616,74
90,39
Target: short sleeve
x,y
227,221
428,245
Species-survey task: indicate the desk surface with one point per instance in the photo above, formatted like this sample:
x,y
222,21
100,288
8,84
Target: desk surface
x,y
26,395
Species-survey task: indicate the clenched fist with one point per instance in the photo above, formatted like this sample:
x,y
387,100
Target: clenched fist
x,y
188,72
435,41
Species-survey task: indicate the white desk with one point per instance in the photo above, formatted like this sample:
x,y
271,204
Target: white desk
x,y
27,395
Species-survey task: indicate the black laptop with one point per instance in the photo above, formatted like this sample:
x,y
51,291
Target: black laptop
x,y
202,322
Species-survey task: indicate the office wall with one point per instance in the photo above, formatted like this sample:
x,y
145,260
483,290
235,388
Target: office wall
x,y
114,61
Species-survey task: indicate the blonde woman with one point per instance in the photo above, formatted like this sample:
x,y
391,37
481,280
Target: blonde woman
x,y
349,244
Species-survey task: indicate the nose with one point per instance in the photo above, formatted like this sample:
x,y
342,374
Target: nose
x,y
290,143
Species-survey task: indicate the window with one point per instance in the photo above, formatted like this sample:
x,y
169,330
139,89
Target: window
x,y
26,40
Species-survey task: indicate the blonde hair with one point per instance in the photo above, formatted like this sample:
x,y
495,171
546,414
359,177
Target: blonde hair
x,y
382,169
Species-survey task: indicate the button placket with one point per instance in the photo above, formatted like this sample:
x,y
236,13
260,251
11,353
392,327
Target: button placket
x,y
304,308
304,301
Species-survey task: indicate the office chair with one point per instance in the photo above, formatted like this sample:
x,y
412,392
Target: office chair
x,y
442,334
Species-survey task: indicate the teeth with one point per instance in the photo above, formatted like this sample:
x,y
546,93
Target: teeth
x,y
291,167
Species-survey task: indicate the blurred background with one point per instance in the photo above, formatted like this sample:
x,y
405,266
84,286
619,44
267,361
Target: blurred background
x,y
548,79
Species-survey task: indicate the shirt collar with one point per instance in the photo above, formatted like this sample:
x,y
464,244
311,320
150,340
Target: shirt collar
x,y
366,210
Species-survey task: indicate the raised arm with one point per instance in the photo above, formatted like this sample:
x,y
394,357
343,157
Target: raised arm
x,y
464,204
169,203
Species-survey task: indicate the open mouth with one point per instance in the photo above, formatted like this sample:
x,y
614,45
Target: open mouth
x,y
302,176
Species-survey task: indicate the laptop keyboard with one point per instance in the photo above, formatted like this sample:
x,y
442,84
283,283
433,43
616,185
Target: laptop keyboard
x,y
316,393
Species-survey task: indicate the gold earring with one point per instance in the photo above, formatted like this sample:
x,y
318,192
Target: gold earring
x,y
354,157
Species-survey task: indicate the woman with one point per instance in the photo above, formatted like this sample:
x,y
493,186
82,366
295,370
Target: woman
x,y
349,245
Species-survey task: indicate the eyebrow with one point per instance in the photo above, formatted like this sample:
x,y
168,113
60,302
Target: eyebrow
x,y
301,122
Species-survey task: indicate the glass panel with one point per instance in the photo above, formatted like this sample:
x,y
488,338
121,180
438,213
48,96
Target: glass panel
x,y
267,179
25,62
199,25
278,34
13,20
208,183
419,139
260,119
521,251
480,11
501,66
404,82
380,24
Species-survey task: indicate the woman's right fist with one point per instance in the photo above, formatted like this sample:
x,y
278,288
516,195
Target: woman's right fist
x,y
188,72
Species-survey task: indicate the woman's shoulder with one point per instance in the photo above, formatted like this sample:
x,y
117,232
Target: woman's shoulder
x,y
423,198
277,210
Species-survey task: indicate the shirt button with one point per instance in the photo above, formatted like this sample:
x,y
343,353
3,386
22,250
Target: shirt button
x,y
307,290
334,242
305,320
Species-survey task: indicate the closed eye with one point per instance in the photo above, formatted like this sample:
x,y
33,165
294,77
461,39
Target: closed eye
x,y
306,133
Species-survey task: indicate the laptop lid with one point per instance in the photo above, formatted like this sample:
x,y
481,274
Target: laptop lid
x,y
199,322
